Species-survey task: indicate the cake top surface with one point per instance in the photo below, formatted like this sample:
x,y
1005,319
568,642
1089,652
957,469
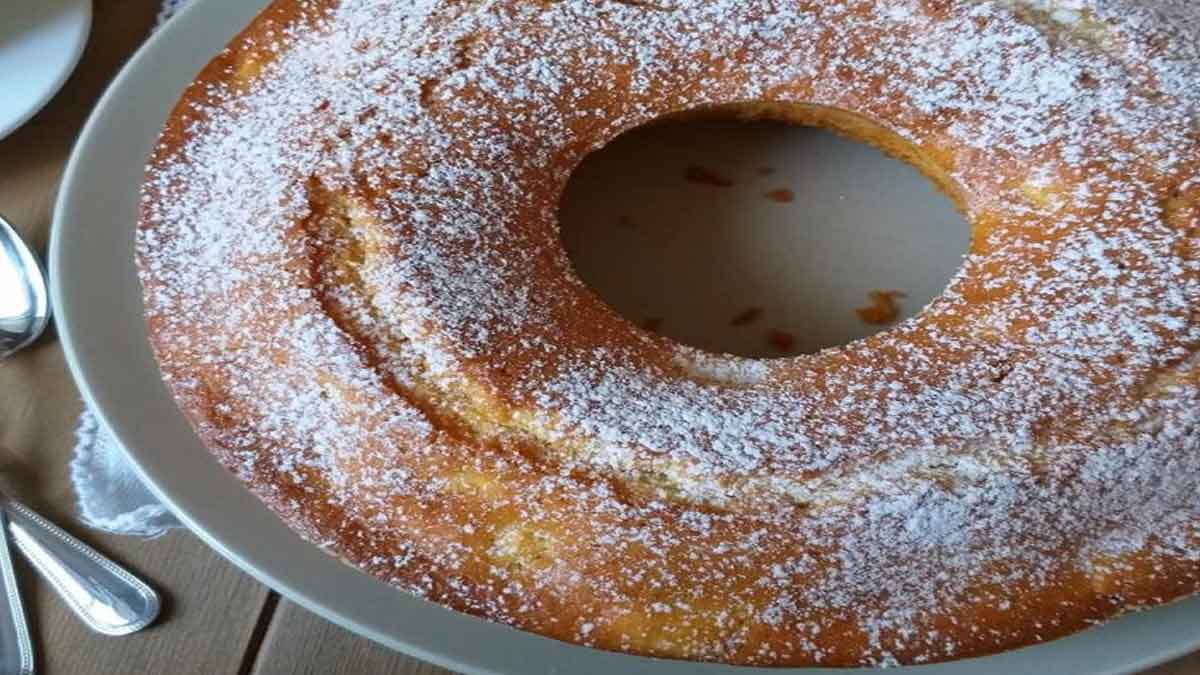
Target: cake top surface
x,y
1048,401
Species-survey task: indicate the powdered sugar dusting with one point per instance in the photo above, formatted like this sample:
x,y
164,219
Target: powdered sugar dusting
x,y
357,292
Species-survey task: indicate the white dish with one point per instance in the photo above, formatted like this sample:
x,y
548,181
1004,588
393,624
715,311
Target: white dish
x,y
40,43
100,323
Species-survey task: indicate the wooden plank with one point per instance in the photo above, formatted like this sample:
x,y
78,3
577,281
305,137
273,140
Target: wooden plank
x,y
302,643
1188,665
210,608
254,645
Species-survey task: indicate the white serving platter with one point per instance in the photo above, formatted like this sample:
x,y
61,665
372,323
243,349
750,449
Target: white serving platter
x,y
98,300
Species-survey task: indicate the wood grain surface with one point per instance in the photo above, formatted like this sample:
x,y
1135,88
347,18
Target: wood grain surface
x,y
301,643
216,619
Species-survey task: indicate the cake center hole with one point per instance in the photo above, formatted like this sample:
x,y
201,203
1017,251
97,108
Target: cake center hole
x,y
760,239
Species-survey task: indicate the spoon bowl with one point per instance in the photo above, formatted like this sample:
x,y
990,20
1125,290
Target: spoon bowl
x,y
24,298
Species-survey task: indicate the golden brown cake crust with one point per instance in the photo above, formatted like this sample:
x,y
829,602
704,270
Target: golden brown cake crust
x,y
356,291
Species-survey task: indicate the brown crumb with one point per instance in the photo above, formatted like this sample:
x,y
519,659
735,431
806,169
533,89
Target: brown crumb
x,y
765,171
652,323
747,317
782,195
883,308
626,221
705,176
781,340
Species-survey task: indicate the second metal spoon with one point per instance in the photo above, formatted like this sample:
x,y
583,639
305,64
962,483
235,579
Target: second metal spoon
x,y
16,647
106,597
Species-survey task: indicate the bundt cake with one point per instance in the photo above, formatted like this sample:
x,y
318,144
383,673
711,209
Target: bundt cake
x,y
355,287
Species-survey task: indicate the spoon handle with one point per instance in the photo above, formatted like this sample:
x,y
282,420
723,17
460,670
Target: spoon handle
x,y
109,599
16,649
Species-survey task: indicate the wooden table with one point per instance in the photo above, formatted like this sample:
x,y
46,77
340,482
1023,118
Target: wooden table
x,y
216,619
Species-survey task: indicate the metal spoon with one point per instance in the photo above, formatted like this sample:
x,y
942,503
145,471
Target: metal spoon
x,y
24,299
109,599
106,597
16,649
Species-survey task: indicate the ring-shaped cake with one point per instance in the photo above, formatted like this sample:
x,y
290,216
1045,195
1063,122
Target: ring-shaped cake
x,y
355,287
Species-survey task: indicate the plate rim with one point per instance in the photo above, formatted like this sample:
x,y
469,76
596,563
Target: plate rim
x,y
521,652
55,84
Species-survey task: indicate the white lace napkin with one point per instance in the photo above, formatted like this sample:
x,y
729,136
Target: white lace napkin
x,y
110,496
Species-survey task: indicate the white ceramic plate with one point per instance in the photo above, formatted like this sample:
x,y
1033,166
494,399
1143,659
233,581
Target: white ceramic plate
x,y
100,323
40,43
